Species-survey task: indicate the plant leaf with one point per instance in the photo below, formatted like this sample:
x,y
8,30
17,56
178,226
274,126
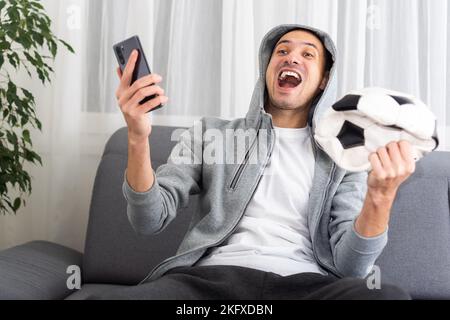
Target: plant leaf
x,y
16,204
2,4
68,46
36,5
28,94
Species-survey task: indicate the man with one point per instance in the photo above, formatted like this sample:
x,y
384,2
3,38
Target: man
x,y
308,230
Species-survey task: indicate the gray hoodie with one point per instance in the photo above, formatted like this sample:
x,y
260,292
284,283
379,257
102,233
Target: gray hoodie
x,y
224,190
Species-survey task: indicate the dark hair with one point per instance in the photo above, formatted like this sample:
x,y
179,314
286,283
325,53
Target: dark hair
x,y
328,60
328,57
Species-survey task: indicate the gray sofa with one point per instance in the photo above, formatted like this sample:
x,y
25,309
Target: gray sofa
x,y
416,258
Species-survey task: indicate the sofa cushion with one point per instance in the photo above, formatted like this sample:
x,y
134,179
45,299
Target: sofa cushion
x,y
36,271
114,253
417,256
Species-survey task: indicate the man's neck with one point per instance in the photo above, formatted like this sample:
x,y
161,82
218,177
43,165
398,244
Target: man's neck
x,y
288,118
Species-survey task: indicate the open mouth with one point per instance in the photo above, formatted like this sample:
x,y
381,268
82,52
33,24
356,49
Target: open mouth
x,y
289,79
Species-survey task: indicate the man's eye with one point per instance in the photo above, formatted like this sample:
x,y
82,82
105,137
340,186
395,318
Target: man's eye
x,y
282,51
308,55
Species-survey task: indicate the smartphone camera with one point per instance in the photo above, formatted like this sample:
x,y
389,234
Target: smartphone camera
x,y
120,55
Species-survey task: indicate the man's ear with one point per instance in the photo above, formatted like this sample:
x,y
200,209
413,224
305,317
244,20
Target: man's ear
x,y
325,79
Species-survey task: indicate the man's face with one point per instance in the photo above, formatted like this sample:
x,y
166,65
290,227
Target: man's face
x,y
296,72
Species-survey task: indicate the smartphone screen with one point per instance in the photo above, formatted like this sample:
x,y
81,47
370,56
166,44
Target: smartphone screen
x,y
123,52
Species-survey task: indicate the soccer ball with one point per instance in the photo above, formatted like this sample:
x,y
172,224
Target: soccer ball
x,y
367,119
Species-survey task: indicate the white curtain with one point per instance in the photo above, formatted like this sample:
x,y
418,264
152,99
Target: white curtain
x,y
206,50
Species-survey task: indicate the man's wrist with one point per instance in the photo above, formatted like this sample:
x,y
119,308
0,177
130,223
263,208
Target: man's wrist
x,y
381,199
370,227
137,141
375,214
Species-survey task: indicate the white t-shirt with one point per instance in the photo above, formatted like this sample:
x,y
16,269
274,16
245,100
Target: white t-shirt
x,y
273,234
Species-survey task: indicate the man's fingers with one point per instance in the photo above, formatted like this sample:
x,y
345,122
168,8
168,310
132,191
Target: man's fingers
x,y
128,72
140,84
384,157
145,82
397,160
119,72
144,93
406,150
152,104
376,165
386,162
407,154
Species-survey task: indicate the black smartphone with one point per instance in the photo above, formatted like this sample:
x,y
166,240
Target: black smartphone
x,y
123,51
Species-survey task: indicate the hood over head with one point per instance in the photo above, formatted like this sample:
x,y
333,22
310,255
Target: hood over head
x,y
321,102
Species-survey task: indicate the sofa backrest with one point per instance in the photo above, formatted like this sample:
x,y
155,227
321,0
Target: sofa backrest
x,y
417,256
114,253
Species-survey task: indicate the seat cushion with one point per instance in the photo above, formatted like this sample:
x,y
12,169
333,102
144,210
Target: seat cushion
x,y
92,289
36,271
417,256
114,253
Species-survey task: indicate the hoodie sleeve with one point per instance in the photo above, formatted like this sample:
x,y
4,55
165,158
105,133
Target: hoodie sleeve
x,y
151,212
353,255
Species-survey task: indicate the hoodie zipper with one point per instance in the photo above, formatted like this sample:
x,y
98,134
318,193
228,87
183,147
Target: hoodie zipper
x,y
242,166
235,224
326,266
330,177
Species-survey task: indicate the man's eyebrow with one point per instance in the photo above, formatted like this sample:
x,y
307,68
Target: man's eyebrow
x,y
302,42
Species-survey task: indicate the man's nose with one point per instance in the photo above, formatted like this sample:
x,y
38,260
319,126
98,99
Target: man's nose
x,y
292,59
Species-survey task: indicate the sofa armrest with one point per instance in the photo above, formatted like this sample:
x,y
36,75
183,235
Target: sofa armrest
x,y
36,271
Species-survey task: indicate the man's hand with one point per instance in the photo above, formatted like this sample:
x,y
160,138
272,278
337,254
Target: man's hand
x,y
130,95
391,166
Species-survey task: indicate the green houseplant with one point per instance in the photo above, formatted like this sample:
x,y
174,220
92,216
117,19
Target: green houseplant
x,y
27,42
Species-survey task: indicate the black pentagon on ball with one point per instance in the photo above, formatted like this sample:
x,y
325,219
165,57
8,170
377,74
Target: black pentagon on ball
x,y
351,135
347,103
401,100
